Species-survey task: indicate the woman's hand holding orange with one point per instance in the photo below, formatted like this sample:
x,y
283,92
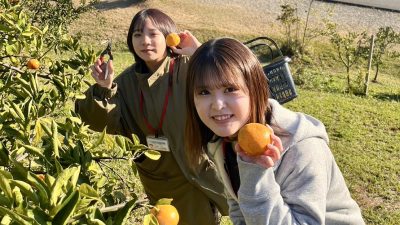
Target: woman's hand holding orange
x,y
187,45
268,159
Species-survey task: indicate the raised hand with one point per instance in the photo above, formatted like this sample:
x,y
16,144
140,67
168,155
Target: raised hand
x,y
99,71
187,45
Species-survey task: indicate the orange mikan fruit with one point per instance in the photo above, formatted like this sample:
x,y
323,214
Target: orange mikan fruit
x,y
41,176
172,39
166,214
33,64
253,138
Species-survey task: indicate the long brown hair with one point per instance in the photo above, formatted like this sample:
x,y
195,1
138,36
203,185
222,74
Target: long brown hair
x,y
214,64
161,21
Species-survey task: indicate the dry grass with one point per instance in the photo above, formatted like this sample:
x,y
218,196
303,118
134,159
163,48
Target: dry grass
x,y
112,19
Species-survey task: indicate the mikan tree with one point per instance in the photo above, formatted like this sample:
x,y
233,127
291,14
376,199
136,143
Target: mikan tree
x,y
53,169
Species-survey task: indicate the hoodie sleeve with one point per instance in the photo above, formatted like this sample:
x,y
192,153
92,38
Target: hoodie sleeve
x,y
299,197
235,214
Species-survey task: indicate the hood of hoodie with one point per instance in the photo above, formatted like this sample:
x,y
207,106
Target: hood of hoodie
x,y
293,127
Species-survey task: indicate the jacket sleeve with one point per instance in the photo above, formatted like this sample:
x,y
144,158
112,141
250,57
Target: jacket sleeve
x,y
298,198
100,108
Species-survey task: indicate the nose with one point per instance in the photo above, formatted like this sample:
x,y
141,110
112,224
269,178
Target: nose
x,y
146,40
218,102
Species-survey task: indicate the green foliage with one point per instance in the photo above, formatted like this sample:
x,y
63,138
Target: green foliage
x,y
350,47
52,167
386,39
291,21
56,14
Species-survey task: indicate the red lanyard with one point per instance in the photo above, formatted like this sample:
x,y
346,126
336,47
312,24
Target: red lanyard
x,y
164,111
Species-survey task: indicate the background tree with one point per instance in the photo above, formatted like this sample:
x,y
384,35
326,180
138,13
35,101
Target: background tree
x,y
386,38
350,47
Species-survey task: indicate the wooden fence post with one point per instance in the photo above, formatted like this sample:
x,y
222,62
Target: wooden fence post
x,y
371,53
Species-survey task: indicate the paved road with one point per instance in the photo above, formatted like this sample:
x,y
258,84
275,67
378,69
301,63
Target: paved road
x,y
384,4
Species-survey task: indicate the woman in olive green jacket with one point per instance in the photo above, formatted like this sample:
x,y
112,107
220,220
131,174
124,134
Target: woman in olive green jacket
x,y
148,99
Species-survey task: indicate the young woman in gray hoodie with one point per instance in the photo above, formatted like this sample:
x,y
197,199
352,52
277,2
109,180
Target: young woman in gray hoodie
x,y
297,180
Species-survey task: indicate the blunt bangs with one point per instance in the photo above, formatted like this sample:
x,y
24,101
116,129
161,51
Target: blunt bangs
x,y
216,72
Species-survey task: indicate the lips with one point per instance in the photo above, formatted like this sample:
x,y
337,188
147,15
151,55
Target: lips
x,y
222,117
146,50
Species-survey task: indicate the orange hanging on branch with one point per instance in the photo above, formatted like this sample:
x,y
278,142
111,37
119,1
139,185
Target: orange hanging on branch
x,y
33,64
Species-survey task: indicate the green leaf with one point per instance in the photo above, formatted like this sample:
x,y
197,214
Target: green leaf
x,y
138,147
42,188
5,186
58,166
6,220
4,201
164,201
34,84
33,180
20,219
100,140
88,191
18,198
41,216
27,34
34,150
120,140
80,96
55,141
75,119
18,111
123,213
26,189
62,181
68,208
45,29
49,180
136,140
152,154
150,219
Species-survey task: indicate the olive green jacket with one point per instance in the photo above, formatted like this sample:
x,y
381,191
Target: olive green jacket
x,y
118,108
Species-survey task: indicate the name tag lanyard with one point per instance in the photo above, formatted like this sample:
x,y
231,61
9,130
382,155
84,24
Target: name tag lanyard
x,y
164,111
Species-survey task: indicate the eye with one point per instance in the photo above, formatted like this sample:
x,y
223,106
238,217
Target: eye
x,y
231,89
203,92
136,35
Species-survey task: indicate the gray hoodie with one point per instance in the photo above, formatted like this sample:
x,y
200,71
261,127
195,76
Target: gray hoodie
x,y
304,187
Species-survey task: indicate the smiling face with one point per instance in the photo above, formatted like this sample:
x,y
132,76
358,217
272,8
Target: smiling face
x,y
149,44
221,74
224,109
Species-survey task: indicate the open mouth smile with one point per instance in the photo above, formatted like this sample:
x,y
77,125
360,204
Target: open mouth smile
x,y
222,117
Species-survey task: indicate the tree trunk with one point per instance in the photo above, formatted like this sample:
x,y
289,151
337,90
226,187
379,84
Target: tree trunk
x,y
348,79
376,73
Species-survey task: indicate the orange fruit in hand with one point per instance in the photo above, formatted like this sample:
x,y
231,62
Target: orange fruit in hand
x,y
253,138
172,39
166,214
33,64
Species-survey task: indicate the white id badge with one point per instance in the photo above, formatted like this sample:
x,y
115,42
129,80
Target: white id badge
x,y
159,143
